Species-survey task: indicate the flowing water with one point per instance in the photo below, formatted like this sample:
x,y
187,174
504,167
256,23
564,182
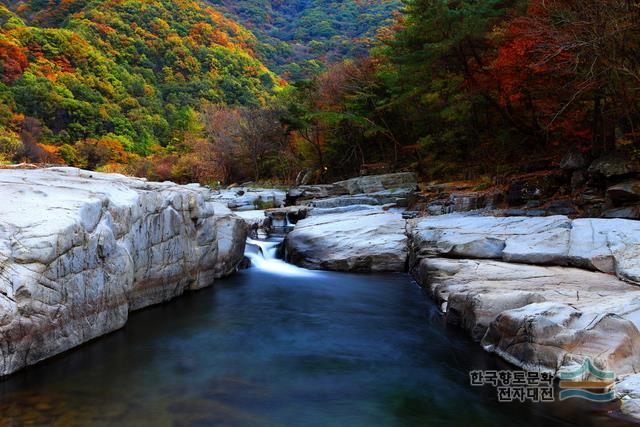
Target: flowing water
x,y
276,345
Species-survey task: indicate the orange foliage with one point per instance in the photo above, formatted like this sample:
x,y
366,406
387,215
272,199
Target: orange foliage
x,y
13,61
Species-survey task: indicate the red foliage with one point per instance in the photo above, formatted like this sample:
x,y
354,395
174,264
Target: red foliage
x,y
13,61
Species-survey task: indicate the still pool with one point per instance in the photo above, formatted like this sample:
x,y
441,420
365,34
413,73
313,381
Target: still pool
x,y
264,348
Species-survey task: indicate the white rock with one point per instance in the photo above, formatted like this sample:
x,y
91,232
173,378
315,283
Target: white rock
x,y
628,391
368,240
514,239
606,245
540,318
79,250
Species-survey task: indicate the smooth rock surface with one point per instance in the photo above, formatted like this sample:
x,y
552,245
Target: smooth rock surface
x,y
540,318
366,240
79,250
513,239
606,245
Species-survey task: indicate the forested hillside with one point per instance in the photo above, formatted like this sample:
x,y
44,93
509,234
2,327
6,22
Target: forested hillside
x,y
175,89
80,75
300,37
471,89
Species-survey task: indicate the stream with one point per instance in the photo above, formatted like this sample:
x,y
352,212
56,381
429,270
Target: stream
x,y
277,345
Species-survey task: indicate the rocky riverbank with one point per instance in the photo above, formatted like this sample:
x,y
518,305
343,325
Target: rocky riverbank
x,y
544,293
79,250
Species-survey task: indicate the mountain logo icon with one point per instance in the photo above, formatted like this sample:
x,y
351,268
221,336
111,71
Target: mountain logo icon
x,y
587,382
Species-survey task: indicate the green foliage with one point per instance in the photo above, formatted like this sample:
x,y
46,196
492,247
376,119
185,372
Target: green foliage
x,y
299,37
134,70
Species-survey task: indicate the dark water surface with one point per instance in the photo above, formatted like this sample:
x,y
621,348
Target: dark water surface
x,y
260,349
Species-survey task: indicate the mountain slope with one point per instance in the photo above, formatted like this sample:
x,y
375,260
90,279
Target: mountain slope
x,y
128,69
300,36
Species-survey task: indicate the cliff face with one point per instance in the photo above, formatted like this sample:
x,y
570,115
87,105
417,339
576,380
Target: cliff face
x,y
79,250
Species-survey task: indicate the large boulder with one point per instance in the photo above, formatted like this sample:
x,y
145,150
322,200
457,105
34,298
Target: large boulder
x,y
79,250
606,245
378,183
366,240
514,239
540,318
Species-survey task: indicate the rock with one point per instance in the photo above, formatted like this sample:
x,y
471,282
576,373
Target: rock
x,y
79,250
534,187
370,240
410,214
628,391
512,239
314,192
343,209
406,181
573,160
515,212
342,201
628,212
540,318
246,199
606,245
578,179
614,164
399,197
625,191
561,207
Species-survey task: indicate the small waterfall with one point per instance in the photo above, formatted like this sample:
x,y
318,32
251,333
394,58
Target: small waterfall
x,y
263,256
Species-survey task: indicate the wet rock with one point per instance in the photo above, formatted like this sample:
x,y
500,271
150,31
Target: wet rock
x,y
79,250
370,240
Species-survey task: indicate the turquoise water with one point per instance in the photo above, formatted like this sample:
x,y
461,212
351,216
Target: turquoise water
x,y
263,349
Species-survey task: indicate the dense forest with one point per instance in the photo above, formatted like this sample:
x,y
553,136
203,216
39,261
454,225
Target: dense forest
x,y
299,37
231,91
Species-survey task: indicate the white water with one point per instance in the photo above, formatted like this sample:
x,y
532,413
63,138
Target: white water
x,y
263,256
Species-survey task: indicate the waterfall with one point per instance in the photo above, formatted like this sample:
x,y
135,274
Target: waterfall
x,y
263,256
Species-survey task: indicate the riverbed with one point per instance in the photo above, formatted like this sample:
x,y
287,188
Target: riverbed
x,y
275,345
